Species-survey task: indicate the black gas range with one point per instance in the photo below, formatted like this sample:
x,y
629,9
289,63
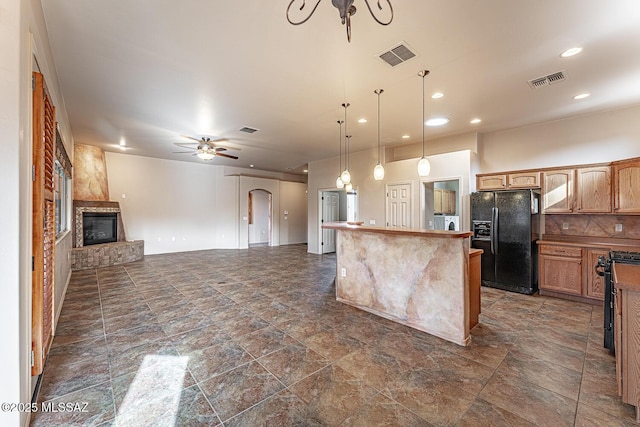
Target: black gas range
x,y
603,268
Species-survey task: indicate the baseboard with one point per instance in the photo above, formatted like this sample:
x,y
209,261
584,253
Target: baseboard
x,y
64,294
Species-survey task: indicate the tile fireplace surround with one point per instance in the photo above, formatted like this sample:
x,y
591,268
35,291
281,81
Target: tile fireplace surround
x,y
106,254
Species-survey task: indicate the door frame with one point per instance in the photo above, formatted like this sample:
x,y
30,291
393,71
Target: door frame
x,y
423,195
319,229
269,215
386,202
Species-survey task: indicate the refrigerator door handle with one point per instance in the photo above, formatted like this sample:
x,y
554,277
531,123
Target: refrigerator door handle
x,y
494,230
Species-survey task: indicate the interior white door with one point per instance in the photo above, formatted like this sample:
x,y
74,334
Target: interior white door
x,y
399,205
330,212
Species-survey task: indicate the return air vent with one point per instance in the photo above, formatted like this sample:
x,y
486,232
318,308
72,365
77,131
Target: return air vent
x,y
397,55
550,79
247,129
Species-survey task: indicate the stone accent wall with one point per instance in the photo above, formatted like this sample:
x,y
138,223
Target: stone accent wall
x,y
107,254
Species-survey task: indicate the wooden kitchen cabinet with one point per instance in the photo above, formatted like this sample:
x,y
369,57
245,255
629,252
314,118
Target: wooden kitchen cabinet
x,y
626,187
595,283
593,189
560,269
492,182
524,180
557,191
627,333
444,201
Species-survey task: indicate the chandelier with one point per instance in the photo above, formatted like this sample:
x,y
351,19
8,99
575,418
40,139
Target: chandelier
x,y
346,10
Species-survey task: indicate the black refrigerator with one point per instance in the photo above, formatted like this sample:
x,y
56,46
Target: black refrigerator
x,y
505,225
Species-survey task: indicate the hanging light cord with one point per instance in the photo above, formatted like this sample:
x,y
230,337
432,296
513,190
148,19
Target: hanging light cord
x,y
423,76
340,152
379,91
345,105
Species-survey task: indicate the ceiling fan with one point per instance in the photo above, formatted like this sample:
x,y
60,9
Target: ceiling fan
x,y
205,148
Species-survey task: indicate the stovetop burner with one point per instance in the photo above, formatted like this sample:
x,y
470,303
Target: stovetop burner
x,y
625,257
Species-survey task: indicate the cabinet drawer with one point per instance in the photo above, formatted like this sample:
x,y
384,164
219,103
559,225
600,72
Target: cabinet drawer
x,y
568,251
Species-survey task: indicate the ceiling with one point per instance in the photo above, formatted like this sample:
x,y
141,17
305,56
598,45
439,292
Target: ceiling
x,y
149,71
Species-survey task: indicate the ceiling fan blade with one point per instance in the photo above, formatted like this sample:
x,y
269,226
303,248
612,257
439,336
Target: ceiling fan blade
x,y
181,152
186,144
220,148
225,155
192,138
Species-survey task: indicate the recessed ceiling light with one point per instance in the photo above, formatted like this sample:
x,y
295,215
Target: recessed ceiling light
x,y
305,170
123,142
406,136
475,121
437,95
362,120
582,96
570,52
250,166
437,121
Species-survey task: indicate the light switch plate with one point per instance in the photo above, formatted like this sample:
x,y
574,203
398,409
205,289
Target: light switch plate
x,y
618,228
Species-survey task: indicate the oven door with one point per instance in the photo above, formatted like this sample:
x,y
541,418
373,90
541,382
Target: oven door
x,y
603,268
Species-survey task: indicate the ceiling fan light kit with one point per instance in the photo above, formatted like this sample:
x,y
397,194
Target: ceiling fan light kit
x,y
206,148
346,9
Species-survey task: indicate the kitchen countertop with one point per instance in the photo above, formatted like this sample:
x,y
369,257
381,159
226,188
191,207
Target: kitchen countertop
x,y
606,242
626,276
396,230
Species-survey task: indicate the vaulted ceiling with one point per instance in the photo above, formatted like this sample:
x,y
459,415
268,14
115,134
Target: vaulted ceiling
x,y
152,71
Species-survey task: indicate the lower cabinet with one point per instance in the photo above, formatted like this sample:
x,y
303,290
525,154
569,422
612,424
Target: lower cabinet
x,y
595,283
560,269
627,334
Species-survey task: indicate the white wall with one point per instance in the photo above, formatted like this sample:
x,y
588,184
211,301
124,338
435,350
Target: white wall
x,y
595,138
171,205
182,206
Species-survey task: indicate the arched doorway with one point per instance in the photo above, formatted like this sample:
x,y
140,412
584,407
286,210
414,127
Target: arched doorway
x,y
260,218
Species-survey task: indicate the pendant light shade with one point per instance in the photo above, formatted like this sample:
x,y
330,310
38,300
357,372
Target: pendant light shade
x,y
339,183
378,171
424,167
349,187
346,175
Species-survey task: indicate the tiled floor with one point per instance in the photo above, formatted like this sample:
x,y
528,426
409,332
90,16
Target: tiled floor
x,y
255,337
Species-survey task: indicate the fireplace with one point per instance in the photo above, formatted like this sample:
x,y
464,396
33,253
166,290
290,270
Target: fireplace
x,y
99,227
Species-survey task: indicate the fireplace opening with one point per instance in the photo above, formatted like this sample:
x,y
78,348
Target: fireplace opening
x,y
99,228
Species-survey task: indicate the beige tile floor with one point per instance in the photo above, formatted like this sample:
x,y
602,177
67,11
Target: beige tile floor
x,y
255,337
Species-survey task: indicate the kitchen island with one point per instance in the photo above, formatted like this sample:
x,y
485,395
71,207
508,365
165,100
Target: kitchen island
x,y
419,278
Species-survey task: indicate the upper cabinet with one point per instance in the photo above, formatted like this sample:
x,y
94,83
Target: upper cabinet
x,y
491,182
626,187
557,191
593,189
582,190
505,181
444,202
524,180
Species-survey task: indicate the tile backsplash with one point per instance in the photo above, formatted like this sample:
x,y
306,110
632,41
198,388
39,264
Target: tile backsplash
x,y
615,226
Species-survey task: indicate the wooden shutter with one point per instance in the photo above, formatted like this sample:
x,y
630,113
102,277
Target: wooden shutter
x,y
43,222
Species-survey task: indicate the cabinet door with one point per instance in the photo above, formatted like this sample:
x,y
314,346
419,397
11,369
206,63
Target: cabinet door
x,y
595,283
524,180
453,201
626,183
492,182
557,191
593,190
561,274
437,201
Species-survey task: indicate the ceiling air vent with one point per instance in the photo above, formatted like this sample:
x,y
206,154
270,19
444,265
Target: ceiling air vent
x,y
550,79
397,55
247,129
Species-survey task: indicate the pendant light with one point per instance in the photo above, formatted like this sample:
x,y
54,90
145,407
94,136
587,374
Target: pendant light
x,y
339,183
346,176
424,167
349,185
378,171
